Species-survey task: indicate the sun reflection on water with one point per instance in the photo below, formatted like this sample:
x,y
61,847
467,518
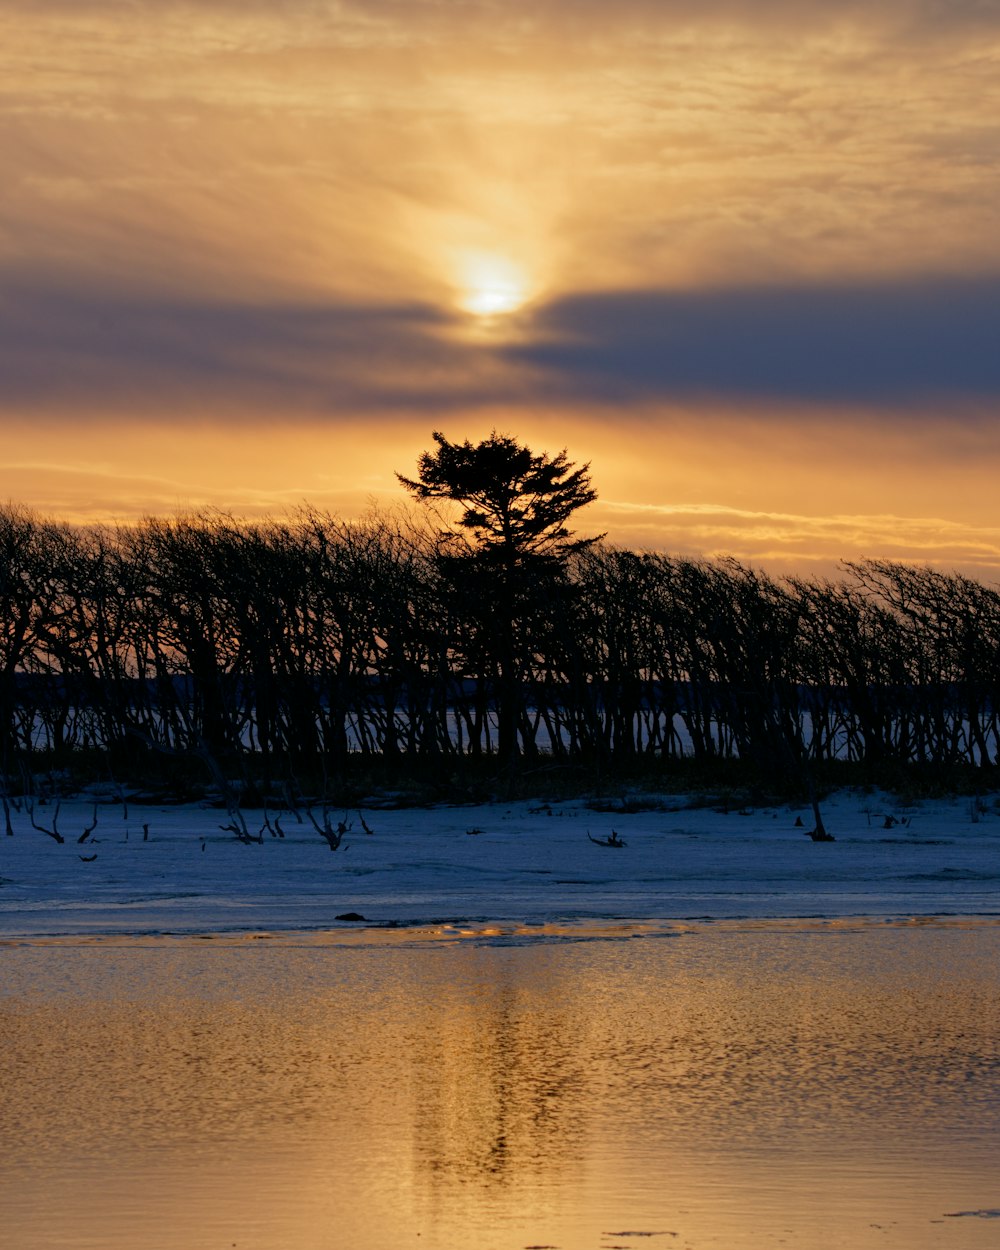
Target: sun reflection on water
x,y
736,1088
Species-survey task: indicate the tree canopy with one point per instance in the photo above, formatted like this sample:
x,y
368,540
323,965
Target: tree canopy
x,y
515,502
287,646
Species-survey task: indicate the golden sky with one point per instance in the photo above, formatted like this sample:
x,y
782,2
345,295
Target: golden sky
x,y
742,257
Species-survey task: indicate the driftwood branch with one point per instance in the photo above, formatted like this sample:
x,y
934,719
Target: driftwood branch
x,y
333,837
90,828
614,839
52,833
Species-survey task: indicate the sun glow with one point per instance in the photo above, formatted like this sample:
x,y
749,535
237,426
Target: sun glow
x,y
492,285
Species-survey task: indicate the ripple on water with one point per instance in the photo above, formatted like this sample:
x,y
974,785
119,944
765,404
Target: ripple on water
x,y
823,1085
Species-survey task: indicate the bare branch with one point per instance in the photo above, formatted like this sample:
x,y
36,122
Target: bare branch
x,y
52,833
333,837
90,828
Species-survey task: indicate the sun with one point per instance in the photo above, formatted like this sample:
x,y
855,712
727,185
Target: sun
x,y
492,285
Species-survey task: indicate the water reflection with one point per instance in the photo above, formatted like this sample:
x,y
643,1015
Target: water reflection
x,y
765,1087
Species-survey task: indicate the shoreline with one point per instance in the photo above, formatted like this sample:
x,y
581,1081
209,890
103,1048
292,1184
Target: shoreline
x,y
502,932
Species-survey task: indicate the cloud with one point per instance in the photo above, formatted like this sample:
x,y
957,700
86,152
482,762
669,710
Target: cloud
x,y
929,12
786,541
86,349
675,142
229,202
922,347
911,342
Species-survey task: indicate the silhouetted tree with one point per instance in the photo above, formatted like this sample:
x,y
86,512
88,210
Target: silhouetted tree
x,y
511,541
35,555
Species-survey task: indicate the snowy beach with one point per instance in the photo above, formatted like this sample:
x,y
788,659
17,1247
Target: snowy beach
x,y
178,869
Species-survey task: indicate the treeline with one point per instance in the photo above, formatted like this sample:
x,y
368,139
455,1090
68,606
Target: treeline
x,y
276,645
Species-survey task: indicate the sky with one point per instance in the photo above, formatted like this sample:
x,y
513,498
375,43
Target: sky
x,y
741,257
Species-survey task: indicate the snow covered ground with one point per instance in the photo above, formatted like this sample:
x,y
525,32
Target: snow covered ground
x,y
506,871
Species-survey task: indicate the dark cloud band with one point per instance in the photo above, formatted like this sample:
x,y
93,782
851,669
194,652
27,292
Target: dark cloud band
x,y
913,345
897,343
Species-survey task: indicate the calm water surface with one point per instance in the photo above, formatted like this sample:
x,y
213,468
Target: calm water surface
x,y
736,1087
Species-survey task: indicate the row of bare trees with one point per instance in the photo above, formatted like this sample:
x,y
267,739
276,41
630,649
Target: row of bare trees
x,y
309,638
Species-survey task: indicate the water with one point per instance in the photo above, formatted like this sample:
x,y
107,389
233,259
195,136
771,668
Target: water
x,y
735,1086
